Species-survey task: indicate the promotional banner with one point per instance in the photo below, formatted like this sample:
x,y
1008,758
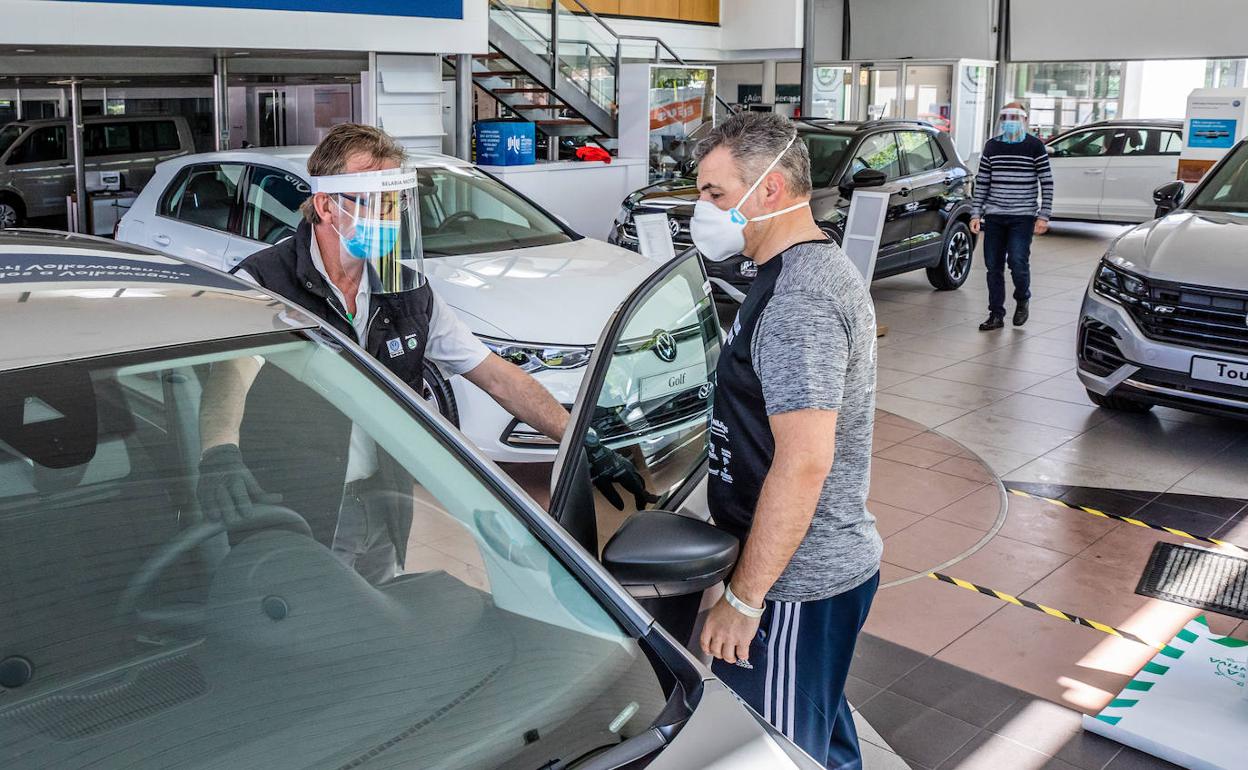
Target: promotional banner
x,y
428,9
1188,705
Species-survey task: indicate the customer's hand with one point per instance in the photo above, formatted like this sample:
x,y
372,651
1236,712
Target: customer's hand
x,y
227,489
728,633
608,467
975,225
1042,227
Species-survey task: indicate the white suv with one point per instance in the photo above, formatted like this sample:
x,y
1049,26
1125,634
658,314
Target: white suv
x,y
535,292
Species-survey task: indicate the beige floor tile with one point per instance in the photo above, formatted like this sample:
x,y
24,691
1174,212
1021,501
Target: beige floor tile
x,y
1071,665
1062,388
926,413
1052,526
1225,475
895,432
1008,565
1050,412
947,347
1006,433
1126,548
1026,361
883,417
913,455
978,510
949,393
967,468
936,443
916,363
916,489
891,572
889,519
1048,347
926,615
928,543
1002,462
886,378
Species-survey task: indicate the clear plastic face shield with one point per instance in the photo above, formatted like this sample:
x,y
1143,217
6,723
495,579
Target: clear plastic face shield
x,y
377,217
1012,124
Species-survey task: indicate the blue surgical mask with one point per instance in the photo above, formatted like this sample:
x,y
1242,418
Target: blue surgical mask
x,y
1012,130
371,238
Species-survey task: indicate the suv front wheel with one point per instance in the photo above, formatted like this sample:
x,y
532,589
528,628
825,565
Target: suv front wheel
x,y
10,212
956,254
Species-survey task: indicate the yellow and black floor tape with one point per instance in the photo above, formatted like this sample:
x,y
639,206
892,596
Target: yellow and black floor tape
x,y
1060,615
1125,519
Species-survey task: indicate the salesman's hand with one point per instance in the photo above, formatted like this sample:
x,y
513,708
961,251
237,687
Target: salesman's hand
x,y
227,489
728,633
975,228
1042,227
608,467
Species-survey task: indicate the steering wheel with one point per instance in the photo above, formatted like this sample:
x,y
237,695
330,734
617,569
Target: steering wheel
x,y
457,216
262,517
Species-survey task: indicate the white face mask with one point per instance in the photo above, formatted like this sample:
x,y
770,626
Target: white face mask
x,y
719,233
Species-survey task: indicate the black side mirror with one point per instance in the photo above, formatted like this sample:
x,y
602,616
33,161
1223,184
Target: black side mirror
x,y
657,553
1168,197
865,178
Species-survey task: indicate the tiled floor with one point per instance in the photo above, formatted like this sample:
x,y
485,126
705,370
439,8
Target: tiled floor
x,y
949,678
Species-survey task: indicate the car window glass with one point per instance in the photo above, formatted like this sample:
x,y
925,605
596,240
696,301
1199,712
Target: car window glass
x,y
1135,141
8,135
1171,142
157,136
653,406
470,213
480,651
827,153
271,210
1082,144
106,139
43,145
920,152
204,195
879,152
1227,188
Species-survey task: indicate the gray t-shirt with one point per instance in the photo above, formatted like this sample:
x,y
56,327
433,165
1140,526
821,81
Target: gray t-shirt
x,y
804,339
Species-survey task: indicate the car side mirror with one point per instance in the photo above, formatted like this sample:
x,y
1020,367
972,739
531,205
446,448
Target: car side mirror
x,y
864,178
1168,197
657,553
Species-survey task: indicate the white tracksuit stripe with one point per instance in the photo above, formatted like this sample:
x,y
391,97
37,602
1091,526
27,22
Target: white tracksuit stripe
x,y
791,684
777,692
771,662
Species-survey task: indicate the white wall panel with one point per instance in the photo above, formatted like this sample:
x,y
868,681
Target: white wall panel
x,y
829,15
1099,30
924,29
751,25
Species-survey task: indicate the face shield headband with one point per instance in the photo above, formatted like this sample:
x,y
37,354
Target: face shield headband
x,y
378,225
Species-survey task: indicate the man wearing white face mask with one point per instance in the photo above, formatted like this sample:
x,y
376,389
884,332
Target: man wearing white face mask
x,y
790,440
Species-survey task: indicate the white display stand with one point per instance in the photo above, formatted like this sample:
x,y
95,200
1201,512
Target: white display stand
x,y
863,230
1216,119
586,195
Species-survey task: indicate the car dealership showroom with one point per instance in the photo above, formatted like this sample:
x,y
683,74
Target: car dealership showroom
x,y
619,384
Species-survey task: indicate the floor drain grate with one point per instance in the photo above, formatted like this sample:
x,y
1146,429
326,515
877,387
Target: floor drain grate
x,y
1196,577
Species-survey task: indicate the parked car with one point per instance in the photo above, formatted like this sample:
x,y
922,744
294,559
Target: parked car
x,y
37,166
533,290
927,226
137,633
1106,171
1165,318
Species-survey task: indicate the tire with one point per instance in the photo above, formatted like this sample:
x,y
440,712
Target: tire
x,y
1118,403
437,391
957,252
11,212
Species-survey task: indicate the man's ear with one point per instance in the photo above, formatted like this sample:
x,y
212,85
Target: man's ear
x,y
324,207
773,185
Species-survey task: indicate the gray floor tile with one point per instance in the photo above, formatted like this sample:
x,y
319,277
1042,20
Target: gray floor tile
x,y
992,752
876,758
957,692
1056,731
880,662
859,691
915,731
1130,759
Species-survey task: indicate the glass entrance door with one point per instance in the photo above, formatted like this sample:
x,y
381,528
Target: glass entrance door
x,y
272,114
883,92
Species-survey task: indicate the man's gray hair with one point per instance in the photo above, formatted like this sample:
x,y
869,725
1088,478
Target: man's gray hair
x,y
754,139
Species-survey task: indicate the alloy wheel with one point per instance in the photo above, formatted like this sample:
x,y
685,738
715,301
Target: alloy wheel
x,y
958,256
8,215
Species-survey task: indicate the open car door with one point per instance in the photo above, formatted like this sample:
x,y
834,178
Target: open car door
x,y
641,421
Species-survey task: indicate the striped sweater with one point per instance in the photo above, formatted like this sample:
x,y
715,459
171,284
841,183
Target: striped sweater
x,y
1009,178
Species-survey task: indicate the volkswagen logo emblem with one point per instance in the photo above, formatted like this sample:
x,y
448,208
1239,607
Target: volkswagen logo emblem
x,y
704,392
674,226
665,347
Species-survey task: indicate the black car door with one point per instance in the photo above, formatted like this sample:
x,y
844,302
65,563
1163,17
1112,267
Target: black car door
x,y
931,190
879,151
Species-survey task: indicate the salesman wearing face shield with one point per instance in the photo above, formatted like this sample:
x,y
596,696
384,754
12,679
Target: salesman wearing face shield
x,y
1013,171
356,261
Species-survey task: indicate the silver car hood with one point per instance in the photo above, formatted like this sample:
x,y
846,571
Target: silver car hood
x,y
723,735
1193,247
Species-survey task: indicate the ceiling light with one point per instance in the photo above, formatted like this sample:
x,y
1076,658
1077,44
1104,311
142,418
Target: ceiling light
x,y
24,50
242,53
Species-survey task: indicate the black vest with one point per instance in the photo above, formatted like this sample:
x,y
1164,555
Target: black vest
x,y
313,448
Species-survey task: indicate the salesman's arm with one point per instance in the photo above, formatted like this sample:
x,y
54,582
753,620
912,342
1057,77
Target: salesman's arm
x,y
521,395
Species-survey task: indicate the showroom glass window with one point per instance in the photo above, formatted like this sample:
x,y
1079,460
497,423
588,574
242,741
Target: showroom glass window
x,y
203,195
157,638
43,145
827,155
271,208
1227,190
878,152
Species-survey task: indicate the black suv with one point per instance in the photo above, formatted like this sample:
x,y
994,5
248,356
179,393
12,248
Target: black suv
x,y
928,216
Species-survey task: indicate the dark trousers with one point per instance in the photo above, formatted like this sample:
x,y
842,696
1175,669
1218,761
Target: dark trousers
x,y
1007,240
798,663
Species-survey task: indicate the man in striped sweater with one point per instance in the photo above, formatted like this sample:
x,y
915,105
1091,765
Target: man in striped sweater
x,y
1013,171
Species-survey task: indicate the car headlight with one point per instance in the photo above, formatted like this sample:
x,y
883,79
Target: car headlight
x,y
1118,284
624,215
536,358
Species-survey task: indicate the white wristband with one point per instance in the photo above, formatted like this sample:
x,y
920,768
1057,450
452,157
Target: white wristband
x,y
740,606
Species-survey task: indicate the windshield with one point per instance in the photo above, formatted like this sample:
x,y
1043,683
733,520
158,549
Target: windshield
x,y
463,211
827,152
9,135
1227,189
137,631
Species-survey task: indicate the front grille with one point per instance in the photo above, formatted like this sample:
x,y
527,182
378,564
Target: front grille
x,y
681,239
1196,316
1098,349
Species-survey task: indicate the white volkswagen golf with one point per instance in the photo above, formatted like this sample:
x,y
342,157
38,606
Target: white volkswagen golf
x,y
534,291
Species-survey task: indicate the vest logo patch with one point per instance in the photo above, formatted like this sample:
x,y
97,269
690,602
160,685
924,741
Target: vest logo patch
x,y
395,347
412,342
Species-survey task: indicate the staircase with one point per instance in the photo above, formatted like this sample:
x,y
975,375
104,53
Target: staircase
x,y
555,63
